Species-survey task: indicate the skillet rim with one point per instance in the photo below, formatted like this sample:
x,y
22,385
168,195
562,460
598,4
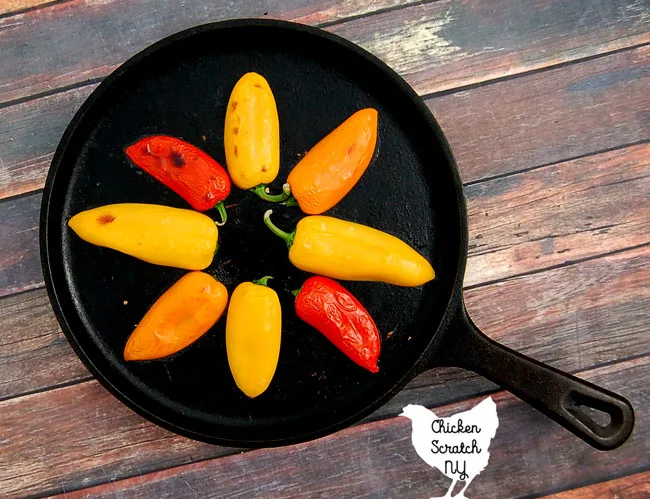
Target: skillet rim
x,y
455,296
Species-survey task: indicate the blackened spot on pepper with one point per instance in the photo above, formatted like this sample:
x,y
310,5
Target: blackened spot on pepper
x,y
351,149
177,159
265,168
106,219
257,85
235,131
236,153
234,105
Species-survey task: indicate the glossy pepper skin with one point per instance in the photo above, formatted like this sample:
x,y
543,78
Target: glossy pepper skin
x,y
188,171
331,309
253,330
353,252
183,314
252,133
332,167
161,235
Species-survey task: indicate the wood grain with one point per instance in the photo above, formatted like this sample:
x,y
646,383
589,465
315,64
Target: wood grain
x,y
34,354
377,460
575,318
9,6
447,44
20,268
560,213
535,119
549,116
435,45
511,231
108,32
629,487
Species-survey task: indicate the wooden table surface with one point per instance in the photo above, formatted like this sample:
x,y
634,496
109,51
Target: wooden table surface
x,y
546,104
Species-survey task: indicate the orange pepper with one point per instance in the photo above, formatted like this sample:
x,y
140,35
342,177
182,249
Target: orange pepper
x,y
333,166
183,314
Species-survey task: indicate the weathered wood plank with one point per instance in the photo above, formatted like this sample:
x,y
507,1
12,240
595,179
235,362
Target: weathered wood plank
x,y
447,44
9,6
549,116
435,45
34,353
108,32
535,119
629,487
529,456
20,268
29,134
560,213
551,315
511,231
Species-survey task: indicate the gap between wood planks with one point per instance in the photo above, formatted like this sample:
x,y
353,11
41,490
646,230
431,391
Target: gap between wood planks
x,y
423,96
391,438
354,22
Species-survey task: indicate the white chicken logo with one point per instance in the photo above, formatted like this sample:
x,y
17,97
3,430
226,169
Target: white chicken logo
x,y
457,445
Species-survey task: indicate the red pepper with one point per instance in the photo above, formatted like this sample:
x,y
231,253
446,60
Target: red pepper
x,y
185,169
330,308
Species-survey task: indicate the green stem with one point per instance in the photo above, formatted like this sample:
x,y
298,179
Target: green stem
x,y
288,237
296,292
221,208
291,201
263,281
262,191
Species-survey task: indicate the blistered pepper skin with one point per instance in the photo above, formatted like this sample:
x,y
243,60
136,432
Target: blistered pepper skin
x,y
253,331
184,313
157,234
191,173
349,251
252,133
329,171
331,309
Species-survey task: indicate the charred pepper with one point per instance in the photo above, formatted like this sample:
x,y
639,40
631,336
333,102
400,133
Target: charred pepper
x,y
189,172
331,309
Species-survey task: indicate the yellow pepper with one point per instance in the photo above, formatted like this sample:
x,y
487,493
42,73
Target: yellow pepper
x,y
348,251
253,330
156,234
183,314
252,134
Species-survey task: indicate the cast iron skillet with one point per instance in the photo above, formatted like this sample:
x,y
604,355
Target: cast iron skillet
x,y
180,86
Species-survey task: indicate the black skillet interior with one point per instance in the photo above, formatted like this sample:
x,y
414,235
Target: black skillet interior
x,y
180,87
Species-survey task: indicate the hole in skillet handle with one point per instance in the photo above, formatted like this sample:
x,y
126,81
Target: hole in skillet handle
x,y
567,400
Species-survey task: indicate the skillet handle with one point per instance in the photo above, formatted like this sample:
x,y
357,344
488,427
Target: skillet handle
x,y
558,395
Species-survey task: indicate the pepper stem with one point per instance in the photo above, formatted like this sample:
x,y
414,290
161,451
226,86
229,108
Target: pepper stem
x,y
296,292
221,208
263,191
291,201
263,281
288,237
